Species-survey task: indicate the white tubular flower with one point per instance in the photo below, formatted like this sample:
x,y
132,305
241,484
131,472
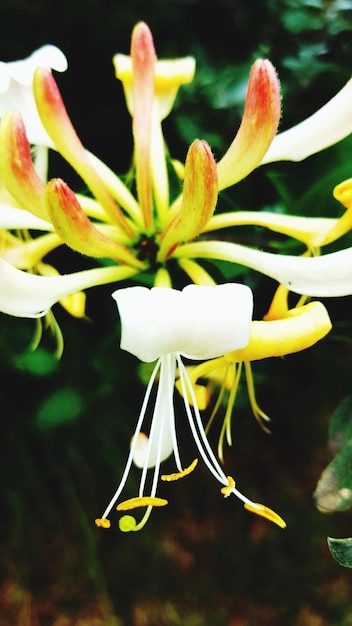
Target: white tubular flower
x,y
193,322
329,125
28,295
16,90
200,322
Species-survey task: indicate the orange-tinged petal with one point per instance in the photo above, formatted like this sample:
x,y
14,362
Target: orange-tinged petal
x,y
200,192
16,166
258,127
59,127
143,62
76,230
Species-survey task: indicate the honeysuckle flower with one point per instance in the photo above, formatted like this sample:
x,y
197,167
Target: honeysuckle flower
x,y
199,322
144,231
114,224
282,332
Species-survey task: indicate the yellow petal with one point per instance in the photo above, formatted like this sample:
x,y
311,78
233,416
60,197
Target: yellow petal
x,y
16,166
302,328
59,127
76,230
199,198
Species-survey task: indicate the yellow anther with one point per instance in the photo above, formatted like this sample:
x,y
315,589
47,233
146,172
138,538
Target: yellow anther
x,y
102,522
229,488
134,503
177,475
264,511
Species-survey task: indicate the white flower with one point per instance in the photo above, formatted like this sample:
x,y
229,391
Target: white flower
x,y
199,322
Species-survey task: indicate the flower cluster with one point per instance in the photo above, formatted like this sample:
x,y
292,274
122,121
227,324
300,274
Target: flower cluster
x,y
147,228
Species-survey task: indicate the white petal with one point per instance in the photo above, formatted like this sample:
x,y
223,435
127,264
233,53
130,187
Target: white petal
x,y
199,322
29,295
12,217
47,56
5,77
330,124
324,276
16,91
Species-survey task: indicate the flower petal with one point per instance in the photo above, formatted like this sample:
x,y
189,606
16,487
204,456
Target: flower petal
x,y
12,217
200,322
330,124
77,231
29,295
324,276
299,330
48,56
313,231
16,166
58,125
200,192
143,60
258,127
16,89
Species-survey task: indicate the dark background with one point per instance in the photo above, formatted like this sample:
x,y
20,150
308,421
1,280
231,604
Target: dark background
x,y
65,426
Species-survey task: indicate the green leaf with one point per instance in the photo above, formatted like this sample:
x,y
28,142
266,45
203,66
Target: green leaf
x,y
64,405
38,363
334,488
341,550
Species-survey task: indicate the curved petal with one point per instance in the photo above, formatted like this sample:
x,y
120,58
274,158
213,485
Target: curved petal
x,y
17,168
12,217
258,127
299,330
200,193
58,125
200,322
330,124
16,91
313,231
29,295
324,276
77,231
22,71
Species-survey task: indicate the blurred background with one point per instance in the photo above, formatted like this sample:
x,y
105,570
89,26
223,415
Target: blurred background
x,y
66,425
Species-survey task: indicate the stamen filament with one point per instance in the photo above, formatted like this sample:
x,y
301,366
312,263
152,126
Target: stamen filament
x,y
197,425
259,415
134,441
226,426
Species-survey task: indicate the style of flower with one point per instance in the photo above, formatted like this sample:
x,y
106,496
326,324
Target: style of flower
x,y
143,231
166,325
